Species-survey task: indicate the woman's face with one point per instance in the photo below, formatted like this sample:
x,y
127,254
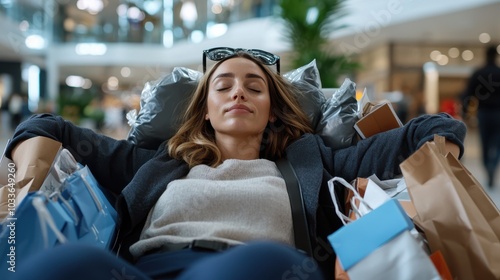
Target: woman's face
x,y
238,102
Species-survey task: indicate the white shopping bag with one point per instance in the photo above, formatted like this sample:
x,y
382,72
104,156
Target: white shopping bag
x,y
400,258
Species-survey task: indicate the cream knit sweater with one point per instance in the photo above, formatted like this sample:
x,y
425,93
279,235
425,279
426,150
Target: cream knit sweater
x,y
238,201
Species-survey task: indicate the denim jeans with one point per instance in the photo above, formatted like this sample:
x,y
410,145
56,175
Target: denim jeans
x,y
257,260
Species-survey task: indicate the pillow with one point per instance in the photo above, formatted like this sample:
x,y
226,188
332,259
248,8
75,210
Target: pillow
x,y
338,116
162,104
311,98
164,101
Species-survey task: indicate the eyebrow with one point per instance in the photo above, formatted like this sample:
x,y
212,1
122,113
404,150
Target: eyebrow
x,y
231,75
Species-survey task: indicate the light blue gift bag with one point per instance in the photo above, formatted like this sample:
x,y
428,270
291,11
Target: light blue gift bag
x,y
359,238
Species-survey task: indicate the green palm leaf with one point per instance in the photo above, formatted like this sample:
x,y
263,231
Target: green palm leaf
x,y
308,26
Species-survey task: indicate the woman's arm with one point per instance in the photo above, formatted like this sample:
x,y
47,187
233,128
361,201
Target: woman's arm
x,y
382,153
113,162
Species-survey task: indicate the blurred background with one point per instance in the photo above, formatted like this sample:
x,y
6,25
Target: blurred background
x,y
88,60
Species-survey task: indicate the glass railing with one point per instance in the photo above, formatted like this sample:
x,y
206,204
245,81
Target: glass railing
x,y
31,19
150,21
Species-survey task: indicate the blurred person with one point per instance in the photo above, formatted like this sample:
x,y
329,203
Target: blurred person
x,y
16,103
484,88
25,110
5,126
211,203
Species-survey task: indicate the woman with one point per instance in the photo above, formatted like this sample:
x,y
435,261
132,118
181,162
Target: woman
x,y
216,181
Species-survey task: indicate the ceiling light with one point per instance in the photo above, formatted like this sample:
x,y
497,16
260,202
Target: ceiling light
x,y
484,38
121,10
443,60
113,83
152,7
87,83
35,42
435,55
90,49
216,9
24,25
125,72
453,52
216,30
467,55
69,24
135,14
75,81
188,12
91,6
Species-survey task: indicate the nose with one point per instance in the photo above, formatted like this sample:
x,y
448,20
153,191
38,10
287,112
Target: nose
x,y
238,93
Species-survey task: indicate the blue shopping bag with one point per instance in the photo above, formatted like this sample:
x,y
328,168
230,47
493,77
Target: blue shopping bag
x,y
96,216
38,223
81,213
359,238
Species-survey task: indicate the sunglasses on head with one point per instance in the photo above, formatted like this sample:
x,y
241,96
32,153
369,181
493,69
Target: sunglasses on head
x,y
220,53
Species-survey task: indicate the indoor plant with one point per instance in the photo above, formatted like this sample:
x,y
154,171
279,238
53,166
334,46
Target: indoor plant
x,y
308,26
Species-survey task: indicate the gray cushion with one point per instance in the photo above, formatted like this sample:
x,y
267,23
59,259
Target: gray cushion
x,y
163,103
338,116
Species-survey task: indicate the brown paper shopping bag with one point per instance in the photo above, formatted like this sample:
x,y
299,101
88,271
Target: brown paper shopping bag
x,y
452,213
477,193
26,171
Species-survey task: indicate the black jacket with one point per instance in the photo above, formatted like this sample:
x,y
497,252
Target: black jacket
x,y
139,176
484,86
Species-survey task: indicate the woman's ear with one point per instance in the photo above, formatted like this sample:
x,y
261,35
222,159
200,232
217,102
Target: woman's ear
x,y
207,117
272,118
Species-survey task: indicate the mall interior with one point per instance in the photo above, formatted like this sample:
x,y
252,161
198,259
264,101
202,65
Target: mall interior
x,y
88,60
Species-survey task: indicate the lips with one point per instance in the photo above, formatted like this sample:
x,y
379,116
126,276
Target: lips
x,y
239,107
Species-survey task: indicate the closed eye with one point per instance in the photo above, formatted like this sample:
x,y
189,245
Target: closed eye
x,y
222,88
255,86
257,90
223,85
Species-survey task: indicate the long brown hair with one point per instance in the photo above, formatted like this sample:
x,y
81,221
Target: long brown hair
x,y
194,142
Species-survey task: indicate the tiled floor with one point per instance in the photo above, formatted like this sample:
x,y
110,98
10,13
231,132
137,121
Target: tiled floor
x,y
471,157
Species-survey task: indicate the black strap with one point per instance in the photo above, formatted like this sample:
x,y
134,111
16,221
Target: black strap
x,y
300,228
199,244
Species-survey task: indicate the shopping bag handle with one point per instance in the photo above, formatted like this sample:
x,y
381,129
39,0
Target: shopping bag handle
x,y
70,208
357,196
92,193
46,219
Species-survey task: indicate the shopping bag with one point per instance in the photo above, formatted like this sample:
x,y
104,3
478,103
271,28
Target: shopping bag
x,y
404,252
81,213
26,171
376,191
96,216
357,239
457,218
380,244
400,258
477,193
38,223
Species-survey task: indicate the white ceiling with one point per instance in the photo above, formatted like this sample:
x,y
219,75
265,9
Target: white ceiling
x,y
452,25
456,26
